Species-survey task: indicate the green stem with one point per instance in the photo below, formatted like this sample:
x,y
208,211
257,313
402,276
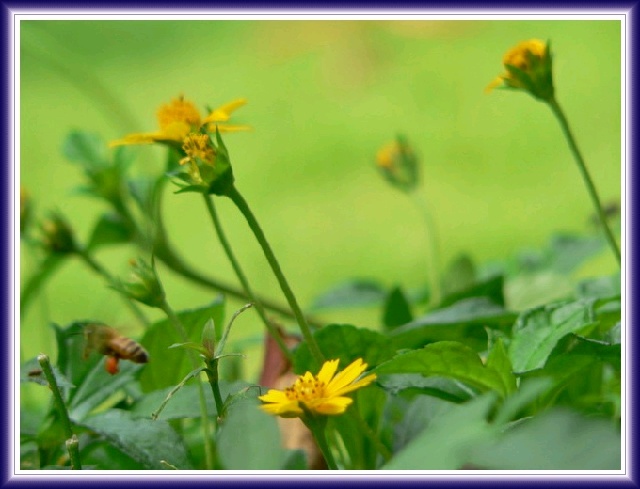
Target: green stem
x,y
204,416
434,246
208,200
369,433
317,427
559,113
212,374
72,440
243,207
100,270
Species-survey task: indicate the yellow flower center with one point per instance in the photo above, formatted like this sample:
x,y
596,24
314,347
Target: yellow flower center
x,y
198,146
178,117
306,389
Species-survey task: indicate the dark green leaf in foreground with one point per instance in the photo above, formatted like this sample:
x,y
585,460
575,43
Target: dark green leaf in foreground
x,y
538,330
354,293
397,309
168,366
447,359
555,440
249,439
147,442
463,321
499,361
446,442
347,343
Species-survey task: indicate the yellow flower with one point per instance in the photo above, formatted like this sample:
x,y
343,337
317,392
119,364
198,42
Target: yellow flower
x,y
398,164
528,68
321,394
179,118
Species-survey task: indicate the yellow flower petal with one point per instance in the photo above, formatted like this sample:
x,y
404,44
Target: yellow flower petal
x,y
336,405
356,385
348,375
328,369
223,113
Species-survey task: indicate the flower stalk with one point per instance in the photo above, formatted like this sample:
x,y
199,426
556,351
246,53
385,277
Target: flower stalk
x,y
208,200
245,210
588,181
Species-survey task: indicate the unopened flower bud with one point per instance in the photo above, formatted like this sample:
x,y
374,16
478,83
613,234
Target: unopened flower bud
x,y
398,164
57,235
143,284
529,68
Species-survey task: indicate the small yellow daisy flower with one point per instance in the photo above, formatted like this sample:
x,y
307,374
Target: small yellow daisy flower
x,y
528,68
321,394
180,117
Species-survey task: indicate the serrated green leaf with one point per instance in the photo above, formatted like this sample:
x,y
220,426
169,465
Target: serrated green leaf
x,y
169,366
147,442
397,309
110,229
446,359
464,321
444,388
538,330
352,293
347,343
259,446
555,440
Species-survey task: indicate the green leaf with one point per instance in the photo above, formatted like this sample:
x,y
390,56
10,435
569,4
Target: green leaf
x,y
538,330
168,367
353,293
249,439
397,309
447,359
460,275
569,251
110,229
34,283
499,361
347,343
491,288
98,386
147,442
555,440
295,460
444,388
463,321
600,287
86,149
444,444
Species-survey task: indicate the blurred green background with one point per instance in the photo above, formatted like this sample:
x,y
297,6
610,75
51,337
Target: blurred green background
x,y
323,97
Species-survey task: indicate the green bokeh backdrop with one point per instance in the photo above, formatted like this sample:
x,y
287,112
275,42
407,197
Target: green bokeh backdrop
x,y
323,97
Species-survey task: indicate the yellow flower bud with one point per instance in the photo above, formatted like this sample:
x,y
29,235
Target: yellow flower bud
x,y
528,68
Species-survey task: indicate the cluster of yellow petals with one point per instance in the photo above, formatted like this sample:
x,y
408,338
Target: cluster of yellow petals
x,y
180,117
198,147
519,56
321,394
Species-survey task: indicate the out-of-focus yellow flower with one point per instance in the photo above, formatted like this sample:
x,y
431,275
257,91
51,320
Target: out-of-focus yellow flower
x,y
528,68
180,117
398,164
322,394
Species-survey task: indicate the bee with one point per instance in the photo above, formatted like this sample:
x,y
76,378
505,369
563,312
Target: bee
x,y
109,342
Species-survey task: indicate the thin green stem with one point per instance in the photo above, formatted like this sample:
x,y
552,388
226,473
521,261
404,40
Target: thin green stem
x,y
100,270
434,247
317,427
208,200
204,416
212,375
244,208
564,124
72,440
